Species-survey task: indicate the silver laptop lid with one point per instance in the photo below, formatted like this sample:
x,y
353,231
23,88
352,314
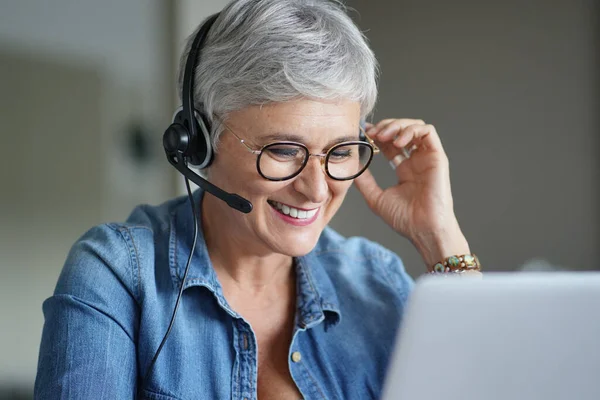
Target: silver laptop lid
x,y
507,336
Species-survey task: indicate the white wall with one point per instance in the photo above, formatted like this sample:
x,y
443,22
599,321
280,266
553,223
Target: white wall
x,y
120,35
190,13
75,74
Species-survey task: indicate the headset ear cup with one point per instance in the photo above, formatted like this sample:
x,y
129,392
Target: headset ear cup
x,y
199,152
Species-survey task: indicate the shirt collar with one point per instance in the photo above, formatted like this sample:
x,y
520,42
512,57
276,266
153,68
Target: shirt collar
x,y
316,299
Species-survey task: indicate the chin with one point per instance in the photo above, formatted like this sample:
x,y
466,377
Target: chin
x,y
297,245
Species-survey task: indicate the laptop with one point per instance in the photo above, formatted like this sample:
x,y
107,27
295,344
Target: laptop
x,y
510,336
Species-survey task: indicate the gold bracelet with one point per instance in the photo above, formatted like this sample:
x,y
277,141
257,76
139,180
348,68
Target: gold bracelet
x,y
456,264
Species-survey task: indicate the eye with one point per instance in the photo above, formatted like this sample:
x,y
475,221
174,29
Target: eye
x,y
284,152
341,154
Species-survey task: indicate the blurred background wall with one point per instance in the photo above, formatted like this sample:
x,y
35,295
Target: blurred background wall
x,y
85,90
88,87
513,90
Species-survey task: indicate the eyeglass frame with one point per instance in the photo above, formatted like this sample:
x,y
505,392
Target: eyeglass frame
x,y
322,156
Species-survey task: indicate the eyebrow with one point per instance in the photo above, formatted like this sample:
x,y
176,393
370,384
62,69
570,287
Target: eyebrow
x,y
286,137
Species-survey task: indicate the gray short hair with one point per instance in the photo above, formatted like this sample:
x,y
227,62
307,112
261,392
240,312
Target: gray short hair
x,y
264,51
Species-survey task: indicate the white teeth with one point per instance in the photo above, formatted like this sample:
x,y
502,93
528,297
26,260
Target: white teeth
x,y
311,213
294,212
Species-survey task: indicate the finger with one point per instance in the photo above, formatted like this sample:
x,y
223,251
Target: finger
x,y
369,188
374,129
385,123
387,148
392,129
402,169
423,136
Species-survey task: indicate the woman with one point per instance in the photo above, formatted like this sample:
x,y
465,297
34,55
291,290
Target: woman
x,y
275,304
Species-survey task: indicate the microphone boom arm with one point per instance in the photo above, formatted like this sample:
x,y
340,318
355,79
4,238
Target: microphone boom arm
x,y
233,200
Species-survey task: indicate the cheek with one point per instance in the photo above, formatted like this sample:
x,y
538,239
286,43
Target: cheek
x,y
234,172
340,188
338,194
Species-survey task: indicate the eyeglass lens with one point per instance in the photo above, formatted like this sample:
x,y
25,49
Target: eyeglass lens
x,y
344,161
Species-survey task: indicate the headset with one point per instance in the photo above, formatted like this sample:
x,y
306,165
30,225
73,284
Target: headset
x,y
188,140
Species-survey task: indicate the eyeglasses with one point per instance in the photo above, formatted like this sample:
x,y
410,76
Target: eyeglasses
x,y
280,161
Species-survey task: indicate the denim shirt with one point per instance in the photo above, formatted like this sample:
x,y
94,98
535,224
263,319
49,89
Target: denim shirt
x,y
116,293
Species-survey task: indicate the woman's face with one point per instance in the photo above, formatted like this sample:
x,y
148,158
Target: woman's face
x,y
318,125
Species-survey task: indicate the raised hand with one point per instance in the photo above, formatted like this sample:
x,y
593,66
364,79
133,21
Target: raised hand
x,y
420,205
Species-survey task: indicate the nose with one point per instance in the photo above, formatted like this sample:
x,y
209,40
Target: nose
x,y
312,181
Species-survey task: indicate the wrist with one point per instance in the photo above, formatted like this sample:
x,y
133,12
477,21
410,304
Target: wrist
x,y
436,246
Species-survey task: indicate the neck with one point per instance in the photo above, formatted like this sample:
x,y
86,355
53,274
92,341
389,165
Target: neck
x,y
241,262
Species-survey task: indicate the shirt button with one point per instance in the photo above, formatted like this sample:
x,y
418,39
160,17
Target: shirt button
x,y
296,356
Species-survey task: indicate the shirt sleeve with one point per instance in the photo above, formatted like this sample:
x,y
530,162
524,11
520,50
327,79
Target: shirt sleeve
x,y
401,281
88,347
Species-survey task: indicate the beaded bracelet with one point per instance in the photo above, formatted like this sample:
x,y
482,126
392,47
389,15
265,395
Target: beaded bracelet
x,y
456,264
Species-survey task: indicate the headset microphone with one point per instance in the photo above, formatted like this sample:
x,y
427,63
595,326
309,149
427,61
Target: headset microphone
x,y
172,141
187,139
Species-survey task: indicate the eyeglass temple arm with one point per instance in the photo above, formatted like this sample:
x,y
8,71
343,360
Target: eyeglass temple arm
x,y
371,142
242,141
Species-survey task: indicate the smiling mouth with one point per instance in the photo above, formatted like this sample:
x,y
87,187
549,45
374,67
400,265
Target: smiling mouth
x,y
293,212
